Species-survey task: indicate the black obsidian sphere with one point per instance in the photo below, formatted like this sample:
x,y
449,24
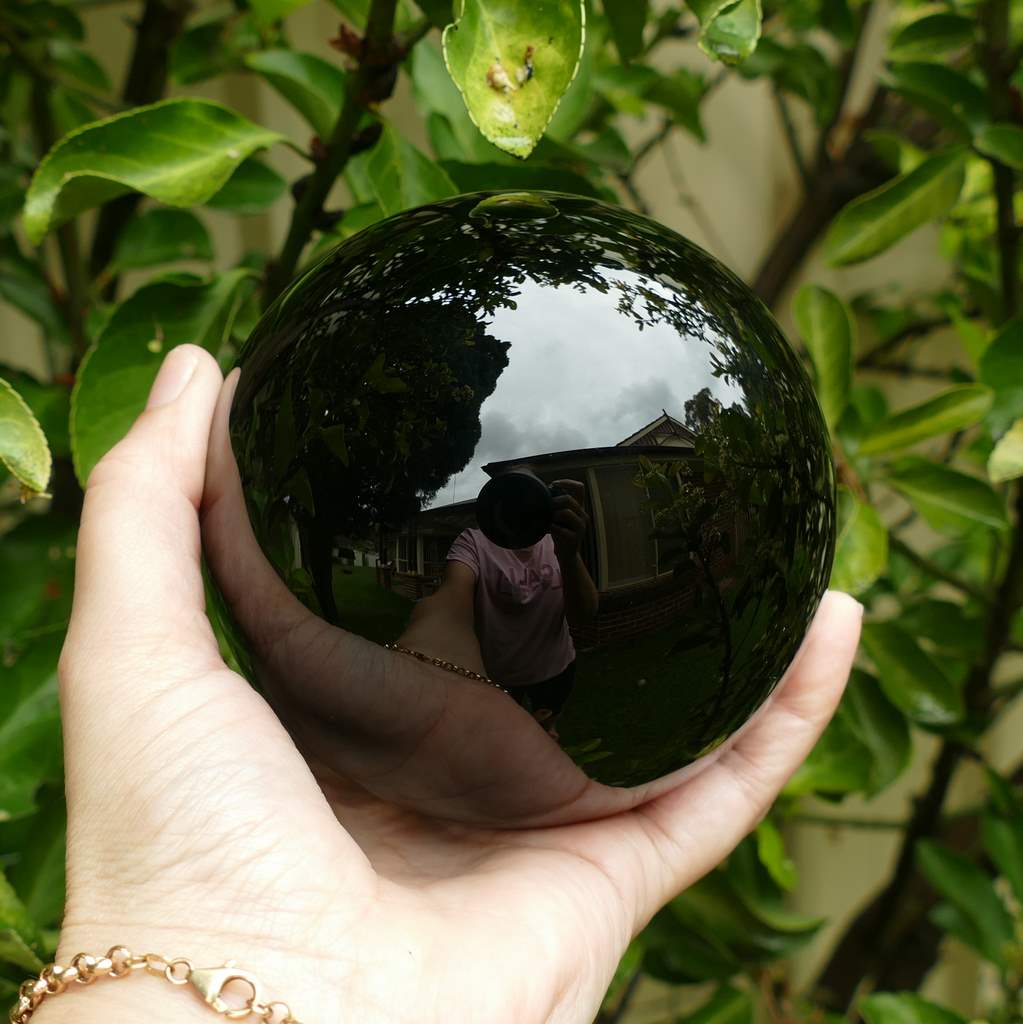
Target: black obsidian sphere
x,y
551,445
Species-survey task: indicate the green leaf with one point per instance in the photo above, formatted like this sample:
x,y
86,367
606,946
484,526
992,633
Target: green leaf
x,y
1003,840
39,554
180,152
268,11
772,854
78,63
1006,460
967,888
910,678
401,177
314,87
931,35
116,375
895,150
826,327
23,448
19,937
23,285
947,499
1001,369
30,741
436,94
438,11
1002,141
512,63
680,93
727,1006
876,221
865,747
949,626
162,236
251,189
954,409
627,19
38,874
733,34
861,550
904,1008
879,726
949,95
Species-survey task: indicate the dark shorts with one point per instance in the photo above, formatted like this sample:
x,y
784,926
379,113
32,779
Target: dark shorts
x,y
549,695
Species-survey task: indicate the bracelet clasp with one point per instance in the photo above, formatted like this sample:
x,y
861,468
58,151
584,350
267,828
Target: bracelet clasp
x,y
210,982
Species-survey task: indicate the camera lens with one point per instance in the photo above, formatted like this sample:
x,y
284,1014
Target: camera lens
x,y
514,510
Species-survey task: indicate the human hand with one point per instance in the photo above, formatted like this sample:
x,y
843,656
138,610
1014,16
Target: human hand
x,y
570,520
196,828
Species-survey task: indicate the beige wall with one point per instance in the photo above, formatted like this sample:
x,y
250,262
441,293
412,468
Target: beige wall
x,y
746,186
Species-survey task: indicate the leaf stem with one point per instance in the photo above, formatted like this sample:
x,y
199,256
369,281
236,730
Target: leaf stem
x,y
378,52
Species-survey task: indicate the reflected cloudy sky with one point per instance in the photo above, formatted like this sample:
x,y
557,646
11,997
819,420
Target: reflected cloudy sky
x,y
582,375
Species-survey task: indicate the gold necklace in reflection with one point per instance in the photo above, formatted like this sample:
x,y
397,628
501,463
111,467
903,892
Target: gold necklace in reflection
x,y
450,666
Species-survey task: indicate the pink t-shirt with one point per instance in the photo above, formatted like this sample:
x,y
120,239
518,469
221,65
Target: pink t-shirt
x,y
520,609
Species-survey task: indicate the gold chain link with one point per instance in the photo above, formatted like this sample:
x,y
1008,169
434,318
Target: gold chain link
x,y
450,666
119,962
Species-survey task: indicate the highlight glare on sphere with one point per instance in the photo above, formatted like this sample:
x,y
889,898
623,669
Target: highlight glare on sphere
x,y
546,441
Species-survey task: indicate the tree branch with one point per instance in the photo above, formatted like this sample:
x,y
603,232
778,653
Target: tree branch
x,y
839,172
378,52
917,329
161,23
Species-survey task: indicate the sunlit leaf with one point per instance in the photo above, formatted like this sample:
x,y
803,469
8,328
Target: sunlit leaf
x,y
729,30
1002,141
23,448
180,152
1006,460
772,854
946,498
874,222
861,550
826,328
512,62
950,410
905,1008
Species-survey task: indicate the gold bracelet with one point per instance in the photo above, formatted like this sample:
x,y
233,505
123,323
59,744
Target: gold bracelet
x,y
450,666
209,982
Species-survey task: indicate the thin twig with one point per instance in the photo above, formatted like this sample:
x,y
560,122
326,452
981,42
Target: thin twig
x,y
791,137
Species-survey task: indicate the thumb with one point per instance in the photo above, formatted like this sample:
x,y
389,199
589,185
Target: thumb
x,y
138,584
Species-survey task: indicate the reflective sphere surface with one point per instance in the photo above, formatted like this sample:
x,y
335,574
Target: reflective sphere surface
x,y
552,443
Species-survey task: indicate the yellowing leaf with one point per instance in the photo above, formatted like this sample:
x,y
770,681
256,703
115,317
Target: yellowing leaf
x,y
512,62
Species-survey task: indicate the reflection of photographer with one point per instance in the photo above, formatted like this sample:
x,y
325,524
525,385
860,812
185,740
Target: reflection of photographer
x,y
523,599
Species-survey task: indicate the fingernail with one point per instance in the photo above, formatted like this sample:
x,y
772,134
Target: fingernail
x,y
175,373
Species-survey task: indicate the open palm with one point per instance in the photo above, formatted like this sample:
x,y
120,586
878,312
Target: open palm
x,y
198,829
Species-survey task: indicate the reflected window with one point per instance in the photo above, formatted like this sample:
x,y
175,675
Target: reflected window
x,y
628,527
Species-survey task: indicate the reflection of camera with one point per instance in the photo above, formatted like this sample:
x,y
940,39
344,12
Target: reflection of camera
x,y
515,509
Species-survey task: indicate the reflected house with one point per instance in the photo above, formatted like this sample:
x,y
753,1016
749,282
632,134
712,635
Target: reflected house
x,y
641,588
